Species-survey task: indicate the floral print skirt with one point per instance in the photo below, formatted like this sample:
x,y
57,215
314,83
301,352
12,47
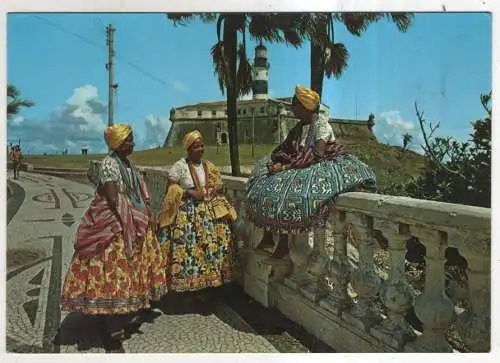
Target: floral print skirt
x,y
200,251
111,283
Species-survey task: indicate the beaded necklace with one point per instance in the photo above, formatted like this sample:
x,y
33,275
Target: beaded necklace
x,y
194,174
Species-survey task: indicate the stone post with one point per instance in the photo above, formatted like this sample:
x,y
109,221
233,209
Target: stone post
x,y
365,280
299,255
474,325
317,268
433,307
338,269
396,292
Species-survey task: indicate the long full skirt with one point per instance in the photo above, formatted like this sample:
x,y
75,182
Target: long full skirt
x,y
112,283
292,201
199,250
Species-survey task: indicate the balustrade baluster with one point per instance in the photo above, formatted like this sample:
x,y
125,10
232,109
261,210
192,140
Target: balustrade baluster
x,y
338,268
396,292
433,307
365,280
474,325
317,268
299,255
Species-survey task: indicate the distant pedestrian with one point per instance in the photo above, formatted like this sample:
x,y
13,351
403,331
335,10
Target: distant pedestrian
x,y
16,157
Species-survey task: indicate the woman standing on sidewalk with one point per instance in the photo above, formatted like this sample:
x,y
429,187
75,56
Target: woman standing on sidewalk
x,y
195,223
117,267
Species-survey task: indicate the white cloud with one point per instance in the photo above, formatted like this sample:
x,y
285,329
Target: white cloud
x,y
390,128
179,86
18,120
78,123
157,128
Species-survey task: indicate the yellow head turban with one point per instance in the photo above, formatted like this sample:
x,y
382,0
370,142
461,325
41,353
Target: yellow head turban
x,y
190,138
115,135
308,97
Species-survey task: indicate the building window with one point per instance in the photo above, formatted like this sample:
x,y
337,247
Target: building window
x,y
262,109
239,111
214,112
199,113
244,111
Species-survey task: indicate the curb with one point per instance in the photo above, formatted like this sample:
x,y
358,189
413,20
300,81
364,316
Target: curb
x,y
10,192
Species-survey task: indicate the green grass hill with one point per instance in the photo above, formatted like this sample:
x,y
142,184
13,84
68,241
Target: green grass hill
x,y
389,162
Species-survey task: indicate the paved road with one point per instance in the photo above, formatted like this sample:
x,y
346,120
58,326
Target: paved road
x,y
43,216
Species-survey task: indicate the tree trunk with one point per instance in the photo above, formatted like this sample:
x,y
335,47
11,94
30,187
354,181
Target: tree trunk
x,y
230,48
317,72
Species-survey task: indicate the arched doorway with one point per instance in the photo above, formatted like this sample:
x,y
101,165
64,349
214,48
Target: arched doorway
x,y
223,138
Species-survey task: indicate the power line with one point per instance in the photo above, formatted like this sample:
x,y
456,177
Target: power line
x,y
147,74
69,32
124,60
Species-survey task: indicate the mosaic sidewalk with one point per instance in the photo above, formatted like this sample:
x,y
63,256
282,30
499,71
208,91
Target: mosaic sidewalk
x,y
43,216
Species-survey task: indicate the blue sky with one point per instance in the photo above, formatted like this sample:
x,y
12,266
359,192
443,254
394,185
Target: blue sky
x,y
443,62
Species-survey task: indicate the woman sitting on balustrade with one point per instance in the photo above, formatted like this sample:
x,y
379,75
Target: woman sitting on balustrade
x,y
195,223
291,189
117,267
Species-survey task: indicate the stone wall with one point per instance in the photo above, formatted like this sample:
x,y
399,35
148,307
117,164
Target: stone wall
x,y
267,130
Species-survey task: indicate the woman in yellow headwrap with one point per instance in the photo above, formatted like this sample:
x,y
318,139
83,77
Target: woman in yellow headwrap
x,y
195,223
117,267
292,189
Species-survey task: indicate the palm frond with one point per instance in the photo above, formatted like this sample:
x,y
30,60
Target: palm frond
x,y
293,37
358,23
12,91
336,59
312,25
261,27
221,66
208,17
244,73
403,21
181,19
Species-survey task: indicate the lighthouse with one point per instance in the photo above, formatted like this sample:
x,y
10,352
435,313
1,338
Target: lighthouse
x,y
260,73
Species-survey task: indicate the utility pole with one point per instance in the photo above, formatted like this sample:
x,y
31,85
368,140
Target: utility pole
x,y
110,41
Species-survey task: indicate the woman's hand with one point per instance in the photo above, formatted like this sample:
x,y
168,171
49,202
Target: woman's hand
x,y
196,194
152,218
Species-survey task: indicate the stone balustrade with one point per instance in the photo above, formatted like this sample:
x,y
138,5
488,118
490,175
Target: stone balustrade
x,y
355,308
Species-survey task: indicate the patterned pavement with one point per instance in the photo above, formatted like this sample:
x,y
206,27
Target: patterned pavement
x,y
42,217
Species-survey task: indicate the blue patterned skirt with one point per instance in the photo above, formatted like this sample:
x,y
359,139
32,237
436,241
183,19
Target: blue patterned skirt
x,y
293,201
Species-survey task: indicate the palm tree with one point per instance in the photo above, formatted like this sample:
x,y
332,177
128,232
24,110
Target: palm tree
x,y
406,140
330,58
15,102
231,64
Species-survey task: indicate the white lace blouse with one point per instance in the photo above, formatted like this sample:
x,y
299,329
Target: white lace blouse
x,y
322,130
179,173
